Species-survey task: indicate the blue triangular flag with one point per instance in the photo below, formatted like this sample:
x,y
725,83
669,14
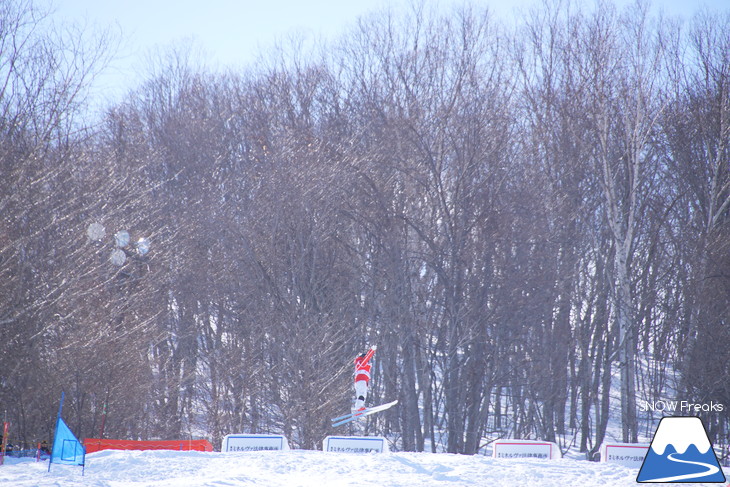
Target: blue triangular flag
x,y
66,448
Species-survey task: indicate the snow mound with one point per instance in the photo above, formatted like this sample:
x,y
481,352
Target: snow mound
x,y
304,468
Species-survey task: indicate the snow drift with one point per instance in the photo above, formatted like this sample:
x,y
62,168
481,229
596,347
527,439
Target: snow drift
x,y
302,468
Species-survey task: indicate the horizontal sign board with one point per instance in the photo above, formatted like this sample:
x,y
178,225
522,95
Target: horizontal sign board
x,y
545,450
355,444
254,443
626,454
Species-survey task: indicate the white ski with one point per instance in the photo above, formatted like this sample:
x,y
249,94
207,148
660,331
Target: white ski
x,y
346,418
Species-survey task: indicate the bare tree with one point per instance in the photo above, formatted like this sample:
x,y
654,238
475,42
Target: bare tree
x,y
696,128
625,108
44,73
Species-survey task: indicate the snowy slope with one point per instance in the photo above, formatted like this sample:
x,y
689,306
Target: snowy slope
x,y
300,468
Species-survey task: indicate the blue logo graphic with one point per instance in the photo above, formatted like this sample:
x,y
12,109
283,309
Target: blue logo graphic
x,y
680,452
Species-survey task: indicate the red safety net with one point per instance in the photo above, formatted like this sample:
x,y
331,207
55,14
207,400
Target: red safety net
x,y
98,444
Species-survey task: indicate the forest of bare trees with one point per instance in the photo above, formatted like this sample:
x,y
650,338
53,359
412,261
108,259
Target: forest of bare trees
x,y
532,222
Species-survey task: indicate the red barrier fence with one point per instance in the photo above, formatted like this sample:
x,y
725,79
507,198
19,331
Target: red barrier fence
x,y
98,444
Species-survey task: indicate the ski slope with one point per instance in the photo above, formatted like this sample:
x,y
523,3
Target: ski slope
x,y
304,468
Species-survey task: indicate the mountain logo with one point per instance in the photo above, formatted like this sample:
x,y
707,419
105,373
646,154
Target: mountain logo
x,y
680,452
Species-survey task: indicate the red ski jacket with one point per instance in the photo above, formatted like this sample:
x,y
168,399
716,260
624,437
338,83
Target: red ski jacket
x,y
362,367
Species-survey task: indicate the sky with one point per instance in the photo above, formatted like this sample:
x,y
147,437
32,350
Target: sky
x,y
231,33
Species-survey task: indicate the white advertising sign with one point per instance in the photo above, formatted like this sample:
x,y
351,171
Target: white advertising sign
x,y
545,450
626,454
254,443
355,444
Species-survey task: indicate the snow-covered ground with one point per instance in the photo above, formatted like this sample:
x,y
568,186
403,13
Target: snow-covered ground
x,y
313,468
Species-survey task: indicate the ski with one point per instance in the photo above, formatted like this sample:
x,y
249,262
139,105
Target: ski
x,y
358,413
338,418
346,418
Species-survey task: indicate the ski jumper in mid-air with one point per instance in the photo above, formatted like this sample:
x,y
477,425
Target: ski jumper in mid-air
x,y
362,378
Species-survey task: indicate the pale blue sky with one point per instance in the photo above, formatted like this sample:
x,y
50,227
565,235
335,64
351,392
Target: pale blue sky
x,y
232,32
